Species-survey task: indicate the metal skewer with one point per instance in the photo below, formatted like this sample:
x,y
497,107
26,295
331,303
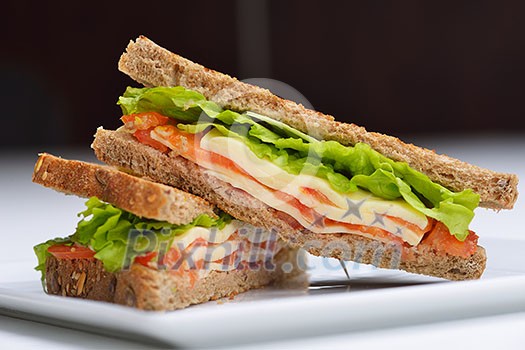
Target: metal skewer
x,y
344,269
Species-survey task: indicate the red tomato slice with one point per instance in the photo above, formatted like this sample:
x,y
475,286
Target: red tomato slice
x,y
230,259
371,230
294,224
319,196
145,259
442,241
144,121
144,137
307,212
62,251
184,143
170,259
224,162
411,226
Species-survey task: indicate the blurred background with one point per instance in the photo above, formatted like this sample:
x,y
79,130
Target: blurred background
x,y
400,67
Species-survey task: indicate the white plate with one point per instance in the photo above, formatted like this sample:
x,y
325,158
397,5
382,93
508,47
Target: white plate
x,y
372,299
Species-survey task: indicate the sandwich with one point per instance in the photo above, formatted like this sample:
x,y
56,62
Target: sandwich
x,y
151,246
331,188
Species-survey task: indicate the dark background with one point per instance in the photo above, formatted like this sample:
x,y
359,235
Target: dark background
x,y
400,67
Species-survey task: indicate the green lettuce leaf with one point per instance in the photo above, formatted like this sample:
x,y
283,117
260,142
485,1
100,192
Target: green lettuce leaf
x,y
176,102
42,254
346,168
118,237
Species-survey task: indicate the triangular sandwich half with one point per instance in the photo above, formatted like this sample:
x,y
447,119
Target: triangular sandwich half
x,y
152,246
331,188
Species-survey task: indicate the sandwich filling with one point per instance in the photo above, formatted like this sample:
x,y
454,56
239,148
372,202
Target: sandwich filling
x,y
323,186
120,239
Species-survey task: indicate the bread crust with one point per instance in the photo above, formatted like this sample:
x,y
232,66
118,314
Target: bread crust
x,y
136,195
122,150
152,65
148,289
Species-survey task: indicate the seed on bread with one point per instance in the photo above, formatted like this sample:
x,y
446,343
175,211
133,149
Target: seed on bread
x,y
80,283
38,165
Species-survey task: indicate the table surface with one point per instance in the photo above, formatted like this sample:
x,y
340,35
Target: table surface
x,y
34,214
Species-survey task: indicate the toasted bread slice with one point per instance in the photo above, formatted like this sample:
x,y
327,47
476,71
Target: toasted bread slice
x,y
138,196
120,149
152,65
149,289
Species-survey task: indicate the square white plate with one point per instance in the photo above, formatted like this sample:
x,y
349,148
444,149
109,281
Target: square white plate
x,y
371,299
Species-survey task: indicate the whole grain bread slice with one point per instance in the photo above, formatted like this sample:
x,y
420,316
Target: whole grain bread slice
x,y
136,195
152,65
122,150
149,289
